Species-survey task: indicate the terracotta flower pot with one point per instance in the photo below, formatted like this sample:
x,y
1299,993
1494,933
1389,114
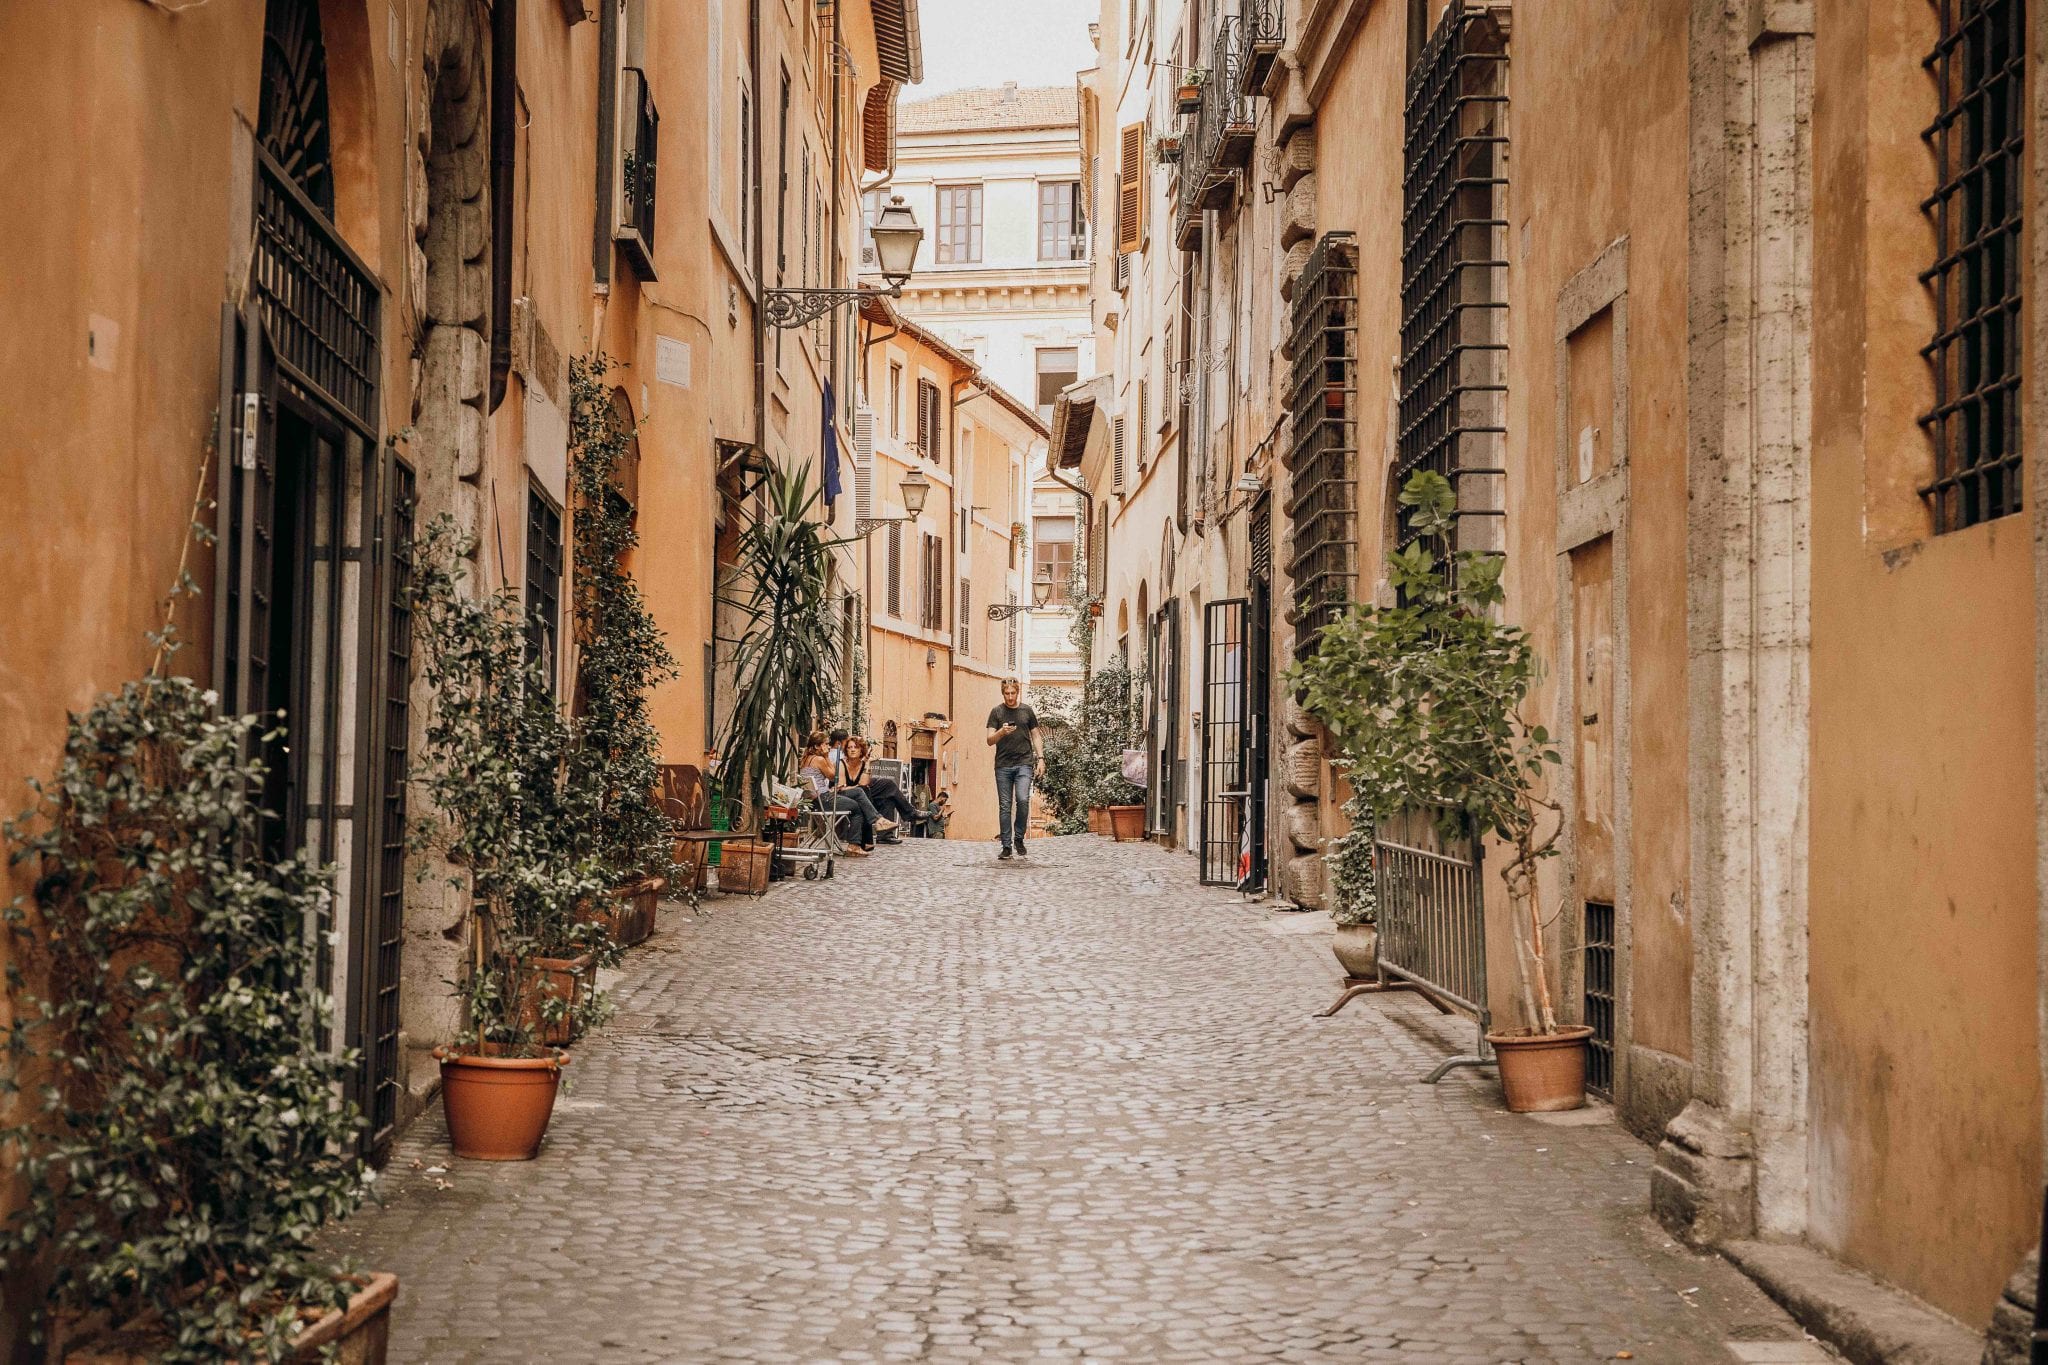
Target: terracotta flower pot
x,y
1357,947
498,1107
743,866
360,1334
1542,1073
1127,823
1098,821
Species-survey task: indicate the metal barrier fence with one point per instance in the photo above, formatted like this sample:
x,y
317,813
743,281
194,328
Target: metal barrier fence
x,y
1432,923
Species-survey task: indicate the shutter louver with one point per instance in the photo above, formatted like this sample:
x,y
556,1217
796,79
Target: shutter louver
x,y
1116,476
896,571
1130,190
965,597
863,462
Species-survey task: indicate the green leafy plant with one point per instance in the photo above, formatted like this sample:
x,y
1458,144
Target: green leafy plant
x,y
1354,894
512,806
1084,744
1423,700
181,1136
786,661
621,656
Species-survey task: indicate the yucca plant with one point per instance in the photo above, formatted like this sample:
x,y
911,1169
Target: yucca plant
x,y
786,661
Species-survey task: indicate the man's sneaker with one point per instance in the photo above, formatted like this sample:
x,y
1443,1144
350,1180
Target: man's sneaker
x,y
1005,855
1020,849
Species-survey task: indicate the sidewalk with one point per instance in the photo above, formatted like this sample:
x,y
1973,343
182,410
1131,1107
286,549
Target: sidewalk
x,y
941,1107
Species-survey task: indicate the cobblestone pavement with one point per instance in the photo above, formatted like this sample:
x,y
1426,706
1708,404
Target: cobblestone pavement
x,y
941,1107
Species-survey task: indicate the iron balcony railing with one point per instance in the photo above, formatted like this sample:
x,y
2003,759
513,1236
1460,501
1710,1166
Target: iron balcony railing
x,y
1261,27
641,137
1217,138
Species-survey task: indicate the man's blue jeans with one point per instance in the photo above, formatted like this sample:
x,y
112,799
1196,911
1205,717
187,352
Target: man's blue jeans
x,y
1013,804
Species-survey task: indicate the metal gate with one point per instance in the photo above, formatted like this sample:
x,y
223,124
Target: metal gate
x,y
305,619
1432,921
1226,788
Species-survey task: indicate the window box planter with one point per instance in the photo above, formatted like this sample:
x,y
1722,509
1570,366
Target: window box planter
x,y
554,978
743,866
1166,151
359,1334
1098,821
628,918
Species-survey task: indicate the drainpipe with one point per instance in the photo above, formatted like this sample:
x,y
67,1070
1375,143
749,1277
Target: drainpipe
x,y
867,543
760,246
504,104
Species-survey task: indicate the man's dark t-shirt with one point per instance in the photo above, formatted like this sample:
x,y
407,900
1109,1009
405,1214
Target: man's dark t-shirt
x,y
1014,749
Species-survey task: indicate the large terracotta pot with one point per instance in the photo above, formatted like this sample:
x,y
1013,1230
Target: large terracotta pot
x,y
1357,947
1545,1073
498,1107
1098,821
1127,823
360,1334
743,866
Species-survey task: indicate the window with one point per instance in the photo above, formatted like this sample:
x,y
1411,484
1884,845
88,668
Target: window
x,y
1058,366
929,429
870,209
746,166
1130,190
1978,140
543,582
964,643
896,399
933,583
1116,476
1144,420
1062,229
1052,547
959,224
1323,441
895,574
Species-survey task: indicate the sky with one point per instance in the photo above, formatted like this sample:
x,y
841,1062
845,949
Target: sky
x,y
987,42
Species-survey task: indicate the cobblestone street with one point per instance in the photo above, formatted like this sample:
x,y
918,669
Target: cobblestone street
x,y
946,1108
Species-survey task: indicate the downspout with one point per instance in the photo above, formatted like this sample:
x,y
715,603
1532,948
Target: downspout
x,y
504,107
760,246
867,542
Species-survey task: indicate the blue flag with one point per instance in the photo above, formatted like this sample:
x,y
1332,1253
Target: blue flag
x,y
828,458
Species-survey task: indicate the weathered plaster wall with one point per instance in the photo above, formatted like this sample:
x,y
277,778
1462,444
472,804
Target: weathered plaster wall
x,y
1924,985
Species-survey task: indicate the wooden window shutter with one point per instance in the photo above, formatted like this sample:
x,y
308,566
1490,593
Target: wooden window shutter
x,y
896,571
965,595
1144,419
1116,476
863,462
924,431
1130,190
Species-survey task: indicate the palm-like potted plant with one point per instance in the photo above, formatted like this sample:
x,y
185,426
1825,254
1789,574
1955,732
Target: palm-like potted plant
x,y
511,811
177,1133
786,662
1423,699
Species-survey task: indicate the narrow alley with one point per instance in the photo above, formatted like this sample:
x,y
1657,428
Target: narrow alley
x,y
1079,1108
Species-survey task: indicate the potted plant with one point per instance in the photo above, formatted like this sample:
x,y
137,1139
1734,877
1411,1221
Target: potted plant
x,y
1108,723
621,657
179,1136
1354,901
1166,149
786,622
1188,98
1423,699
511,811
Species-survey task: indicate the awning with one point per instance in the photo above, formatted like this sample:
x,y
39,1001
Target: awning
x,y
1072,414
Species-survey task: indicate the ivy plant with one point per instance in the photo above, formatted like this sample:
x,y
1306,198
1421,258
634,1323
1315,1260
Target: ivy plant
x,y
621,654
512,807
179,1136
1354,894
1423,701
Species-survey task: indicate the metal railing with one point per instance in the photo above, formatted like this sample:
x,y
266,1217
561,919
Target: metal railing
x,y
1432,922
1261,28
1216,139
642,139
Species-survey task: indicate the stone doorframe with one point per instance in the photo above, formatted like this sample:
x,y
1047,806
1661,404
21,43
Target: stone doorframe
x,y
1734,1162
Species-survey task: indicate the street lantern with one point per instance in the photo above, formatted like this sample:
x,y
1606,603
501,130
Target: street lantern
x,y
915,485
1041,587
897,238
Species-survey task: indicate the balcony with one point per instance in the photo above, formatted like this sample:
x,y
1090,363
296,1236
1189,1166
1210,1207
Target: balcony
x,y
1261,28
1217,138
639,139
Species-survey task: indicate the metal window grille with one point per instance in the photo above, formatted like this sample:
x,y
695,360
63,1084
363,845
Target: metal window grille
x,y
319,302
1979,142
1599,997
543,581
1322,454
394,817
1453,414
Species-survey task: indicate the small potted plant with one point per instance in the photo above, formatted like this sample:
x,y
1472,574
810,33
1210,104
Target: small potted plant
x,y
1423,699
1188,98
1166,149
180,1137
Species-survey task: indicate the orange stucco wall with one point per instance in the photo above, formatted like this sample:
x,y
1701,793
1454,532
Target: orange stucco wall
x,y
1925,1099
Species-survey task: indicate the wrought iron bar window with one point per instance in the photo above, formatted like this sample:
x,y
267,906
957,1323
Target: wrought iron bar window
x,y
1453,415
642,136
319,302
1599,997
1978,140
1322,453
543,581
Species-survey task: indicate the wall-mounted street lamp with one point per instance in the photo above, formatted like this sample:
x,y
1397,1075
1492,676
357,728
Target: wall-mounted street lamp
x,y
1041,593
896,236
915,487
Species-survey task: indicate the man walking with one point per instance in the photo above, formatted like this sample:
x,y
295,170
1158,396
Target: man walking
x,y
1013,730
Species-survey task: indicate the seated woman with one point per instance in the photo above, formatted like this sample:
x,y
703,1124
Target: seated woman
x,y
857,831
887,796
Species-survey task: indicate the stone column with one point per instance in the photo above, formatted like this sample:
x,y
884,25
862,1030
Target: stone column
x,y
1733,1163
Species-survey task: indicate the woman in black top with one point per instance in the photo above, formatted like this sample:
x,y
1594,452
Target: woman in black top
x,y
883,791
